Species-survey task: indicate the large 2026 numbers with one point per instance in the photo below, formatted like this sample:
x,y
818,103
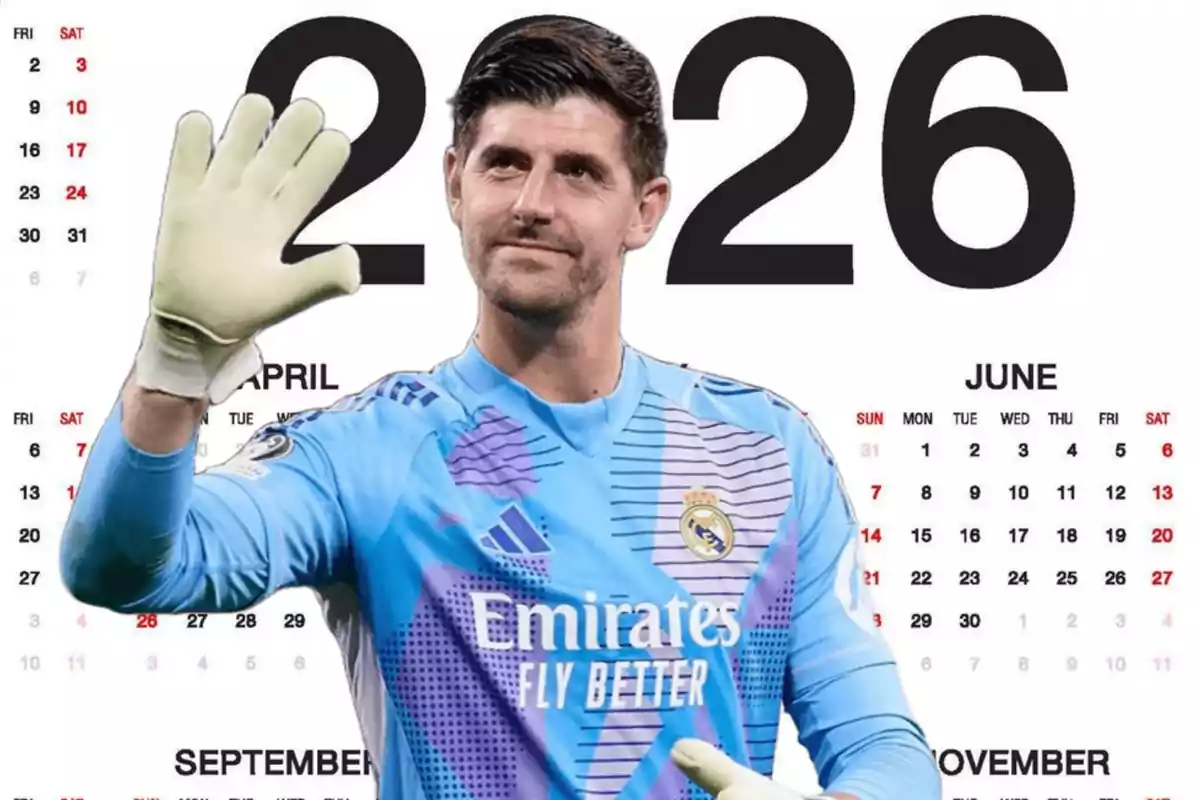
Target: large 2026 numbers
x,y
913,151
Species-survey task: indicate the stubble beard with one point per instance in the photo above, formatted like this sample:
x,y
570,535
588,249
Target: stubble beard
x,y
547,308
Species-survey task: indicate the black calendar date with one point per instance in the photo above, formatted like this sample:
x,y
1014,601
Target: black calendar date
x,y
195,621
913,151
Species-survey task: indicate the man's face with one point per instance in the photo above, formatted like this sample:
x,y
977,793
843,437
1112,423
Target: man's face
x,y
546,205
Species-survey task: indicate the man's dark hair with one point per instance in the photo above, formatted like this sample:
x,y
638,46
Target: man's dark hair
x,y
541,60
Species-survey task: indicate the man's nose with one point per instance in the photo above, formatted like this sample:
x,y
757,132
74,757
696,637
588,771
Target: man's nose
x,y
535,201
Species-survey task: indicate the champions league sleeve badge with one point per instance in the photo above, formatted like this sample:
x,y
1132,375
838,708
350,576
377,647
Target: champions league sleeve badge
x,y
267,448
249,461
706,529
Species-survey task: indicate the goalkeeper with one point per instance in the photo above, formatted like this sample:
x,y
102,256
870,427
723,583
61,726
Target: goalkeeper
x,y
451,521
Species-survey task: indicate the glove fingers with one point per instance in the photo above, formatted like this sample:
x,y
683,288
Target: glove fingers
x,y
707,766
312,177
248,123
189,155
329,274
293,133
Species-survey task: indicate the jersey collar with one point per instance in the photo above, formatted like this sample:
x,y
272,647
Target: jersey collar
x,y
587,426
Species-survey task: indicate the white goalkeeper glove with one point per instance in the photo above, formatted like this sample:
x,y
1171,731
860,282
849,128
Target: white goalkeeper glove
x,y
219,277
725,779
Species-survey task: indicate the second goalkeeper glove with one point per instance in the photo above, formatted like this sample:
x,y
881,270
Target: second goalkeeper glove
x,y
725,779
219,277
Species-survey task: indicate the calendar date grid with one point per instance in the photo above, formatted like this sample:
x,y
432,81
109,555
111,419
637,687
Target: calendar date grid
x,y
54,110
977,541
993,541
60,635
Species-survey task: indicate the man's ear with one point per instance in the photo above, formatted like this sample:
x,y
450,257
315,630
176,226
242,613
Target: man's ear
x,y
653,199
452,169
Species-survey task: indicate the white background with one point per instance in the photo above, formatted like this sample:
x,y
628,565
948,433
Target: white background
x,y
1114,312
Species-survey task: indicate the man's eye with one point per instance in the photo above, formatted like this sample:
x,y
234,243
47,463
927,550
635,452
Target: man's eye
x,y
578,172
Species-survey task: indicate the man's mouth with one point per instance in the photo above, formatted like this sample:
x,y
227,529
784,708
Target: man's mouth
x,y
530,245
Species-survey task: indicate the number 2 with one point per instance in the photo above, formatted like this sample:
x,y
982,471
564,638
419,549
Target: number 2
x,y
700,254
393,130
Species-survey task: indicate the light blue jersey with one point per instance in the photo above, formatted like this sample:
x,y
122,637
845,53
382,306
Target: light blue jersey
x,y
536,600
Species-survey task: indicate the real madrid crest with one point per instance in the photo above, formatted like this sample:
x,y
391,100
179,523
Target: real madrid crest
x,y
706,529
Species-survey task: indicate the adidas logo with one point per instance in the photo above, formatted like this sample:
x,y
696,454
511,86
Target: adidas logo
x,y
515,535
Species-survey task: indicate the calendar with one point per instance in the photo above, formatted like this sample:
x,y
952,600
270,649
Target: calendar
x,y
967,228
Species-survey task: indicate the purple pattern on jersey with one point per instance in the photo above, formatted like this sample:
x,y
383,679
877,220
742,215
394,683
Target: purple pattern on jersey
x,y
493,456
462,701
760,663
769,604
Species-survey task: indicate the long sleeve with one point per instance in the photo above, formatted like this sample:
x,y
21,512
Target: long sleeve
x,y
842,686
147,534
